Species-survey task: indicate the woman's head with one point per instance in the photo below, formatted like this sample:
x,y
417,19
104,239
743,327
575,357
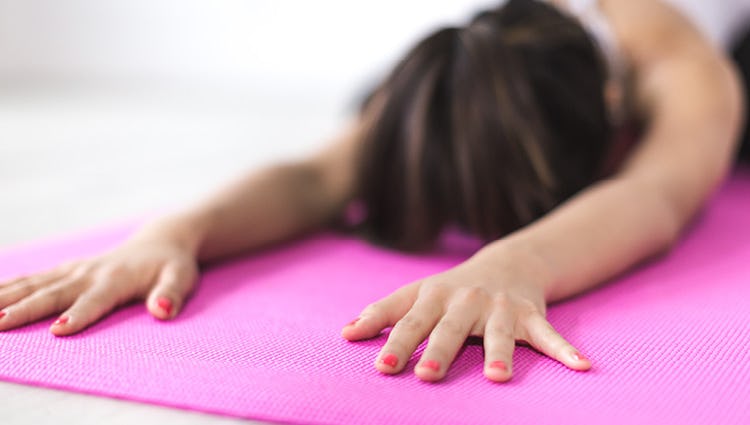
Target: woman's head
x,y
487,126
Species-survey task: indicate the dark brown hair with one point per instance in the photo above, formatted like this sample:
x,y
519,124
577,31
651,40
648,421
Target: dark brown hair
x,y
486,126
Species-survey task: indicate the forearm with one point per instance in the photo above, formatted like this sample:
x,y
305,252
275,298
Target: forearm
x,y
617,223
599,233
267,206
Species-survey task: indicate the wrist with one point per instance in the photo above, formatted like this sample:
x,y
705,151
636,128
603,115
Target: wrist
x,y
186,230
523,259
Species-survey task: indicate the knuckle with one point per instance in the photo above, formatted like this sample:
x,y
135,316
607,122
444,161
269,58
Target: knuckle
x,y
109,271
52,296
374,309
548,333
188,268
69,283
48,292
410,323
95,299
437,352
534,339
560,347
552,345
395,345
472,295
501,301
27,287
170,274
528,312
80,271
547,336
452,327
85,309
433,289
21,312
500,331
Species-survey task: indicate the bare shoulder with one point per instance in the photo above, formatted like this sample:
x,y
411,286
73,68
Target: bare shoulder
x,y
650,29
688,91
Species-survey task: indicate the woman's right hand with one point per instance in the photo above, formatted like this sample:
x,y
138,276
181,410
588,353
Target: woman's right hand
x,y
148,266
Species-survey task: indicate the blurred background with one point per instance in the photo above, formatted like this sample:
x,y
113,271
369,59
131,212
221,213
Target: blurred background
x,y
110,110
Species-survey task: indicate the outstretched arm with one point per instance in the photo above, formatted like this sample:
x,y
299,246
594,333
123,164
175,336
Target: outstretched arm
x,y
160,262
692,97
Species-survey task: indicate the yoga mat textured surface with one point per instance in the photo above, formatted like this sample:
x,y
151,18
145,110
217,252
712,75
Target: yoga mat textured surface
x,y
670,343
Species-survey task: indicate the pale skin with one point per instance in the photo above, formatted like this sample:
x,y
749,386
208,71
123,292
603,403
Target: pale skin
x,y
685,87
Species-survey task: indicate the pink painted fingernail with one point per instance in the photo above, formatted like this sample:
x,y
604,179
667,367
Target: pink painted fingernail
x,y
497,364
431,364
165,304
353,322
390,359
579,357
61,320
2,314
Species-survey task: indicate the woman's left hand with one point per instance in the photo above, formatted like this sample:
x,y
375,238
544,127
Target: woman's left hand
x,y
496,296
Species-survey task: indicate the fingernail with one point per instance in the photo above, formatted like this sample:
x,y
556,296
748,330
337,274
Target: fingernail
x,y
165,304
390,360
2,314
579,357
431,364
497,364
353,322
61,320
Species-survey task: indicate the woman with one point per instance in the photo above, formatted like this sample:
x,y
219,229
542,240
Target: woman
x,y
576,140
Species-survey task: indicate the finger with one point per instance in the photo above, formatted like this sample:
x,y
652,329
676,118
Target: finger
x,y
174,284
15,290
542,336
448,336
42,303
381,314
499,343
93,303
10,281
408,333
57,272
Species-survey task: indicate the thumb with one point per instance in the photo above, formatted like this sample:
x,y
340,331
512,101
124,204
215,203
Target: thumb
x,y
173,285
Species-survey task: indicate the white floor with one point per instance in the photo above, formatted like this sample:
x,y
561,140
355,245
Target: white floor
x,y
75,156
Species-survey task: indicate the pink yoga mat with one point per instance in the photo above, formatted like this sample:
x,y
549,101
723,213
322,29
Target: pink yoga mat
x,y
670,343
